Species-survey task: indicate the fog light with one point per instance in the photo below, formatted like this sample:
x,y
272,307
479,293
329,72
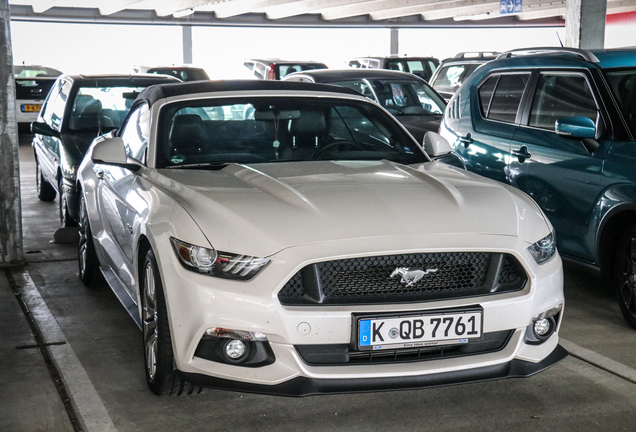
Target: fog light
x,y
542,327
235,349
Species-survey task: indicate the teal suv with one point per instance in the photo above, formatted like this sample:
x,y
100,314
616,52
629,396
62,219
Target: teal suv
x,y
560,124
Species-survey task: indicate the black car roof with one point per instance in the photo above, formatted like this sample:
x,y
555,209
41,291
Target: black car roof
x,y
156,92
331,75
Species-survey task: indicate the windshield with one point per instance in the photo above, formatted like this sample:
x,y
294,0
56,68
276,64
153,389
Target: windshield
x,y
623,85
184,74
35,71
275,129
101,109
399,97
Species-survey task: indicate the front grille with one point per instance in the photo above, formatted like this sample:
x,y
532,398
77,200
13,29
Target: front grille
x,y
403,278
342,354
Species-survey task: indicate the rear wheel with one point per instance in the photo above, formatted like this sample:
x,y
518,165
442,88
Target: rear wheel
x,y
65,218
87,257
45,191
159,358
625,274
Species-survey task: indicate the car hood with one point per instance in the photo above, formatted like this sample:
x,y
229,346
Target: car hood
x,y
264,208
76,145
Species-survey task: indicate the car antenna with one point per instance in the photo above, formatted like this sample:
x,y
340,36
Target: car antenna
x,y
559,37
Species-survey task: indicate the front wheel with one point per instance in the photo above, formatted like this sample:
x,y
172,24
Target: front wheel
x,y
159,358
625,274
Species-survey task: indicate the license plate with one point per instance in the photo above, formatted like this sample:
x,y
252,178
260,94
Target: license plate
x,y
31,108
412,331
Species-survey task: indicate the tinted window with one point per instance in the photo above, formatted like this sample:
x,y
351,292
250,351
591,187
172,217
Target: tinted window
x,y
33,89
485,94
101,109
623,85
559,96
505,101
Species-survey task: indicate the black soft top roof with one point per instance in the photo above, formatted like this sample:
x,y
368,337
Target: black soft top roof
x,y
156,92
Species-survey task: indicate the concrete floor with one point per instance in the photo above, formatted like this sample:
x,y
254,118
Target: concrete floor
x,y
97,348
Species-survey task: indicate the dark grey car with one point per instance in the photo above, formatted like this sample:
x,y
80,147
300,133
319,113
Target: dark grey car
x,y
77,109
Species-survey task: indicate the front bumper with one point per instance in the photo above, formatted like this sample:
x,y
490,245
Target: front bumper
x,y
304,386
199,302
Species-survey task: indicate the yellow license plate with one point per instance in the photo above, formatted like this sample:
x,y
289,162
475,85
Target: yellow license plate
x,y
31,108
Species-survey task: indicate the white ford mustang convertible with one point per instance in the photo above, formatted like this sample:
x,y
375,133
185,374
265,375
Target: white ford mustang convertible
x,y
294,239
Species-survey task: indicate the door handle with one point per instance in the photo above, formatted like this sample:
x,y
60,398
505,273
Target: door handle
x,y
467,140
522,154
99,173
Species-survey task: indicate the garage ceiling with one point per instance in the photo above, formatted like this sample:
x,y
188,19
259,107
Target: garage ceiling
x,y
397,13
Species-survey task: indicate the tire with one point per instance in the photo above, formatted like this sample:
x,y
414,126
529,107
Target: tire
x,y
625,274
45,191
65,218
86,256
157,344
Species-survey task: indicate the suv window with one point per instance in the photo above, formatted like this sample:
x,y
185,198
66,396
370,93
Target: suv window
x,y
558,96
623,85
450,77
505,100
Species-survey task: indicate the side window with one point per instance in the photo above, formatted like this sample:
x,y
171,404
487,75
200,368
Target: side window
x,y
505,101
136,131
58,105
558,96
448,78
485,94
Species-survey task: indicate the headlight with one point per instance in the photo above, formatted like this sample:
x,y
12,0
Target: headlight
x,y
544,249
216,263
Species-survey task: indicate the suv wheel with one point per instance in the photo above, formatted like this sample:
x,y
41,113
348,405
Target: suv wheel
x,y
159,358
625,274
45,191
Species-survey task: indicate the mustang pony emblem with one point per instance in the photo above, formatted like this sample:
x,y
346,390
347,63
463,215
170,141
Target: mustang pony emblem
x,y
411,276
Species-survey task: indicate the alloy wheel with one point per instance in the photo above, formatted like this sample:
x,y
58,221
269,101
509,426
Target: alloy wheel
x,y
150,320
627,268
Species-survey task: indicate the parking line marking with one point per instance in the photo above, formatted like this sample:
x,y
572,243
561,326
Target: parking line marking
x,y
600,361
89,408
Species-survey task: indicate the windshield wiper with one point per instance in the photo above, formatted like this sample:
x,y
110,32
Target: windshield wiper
x,y
204,165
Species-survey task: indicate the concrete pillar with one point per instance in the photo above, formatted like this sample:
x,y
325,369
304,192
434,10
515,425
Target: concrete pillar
x,y
585,24
11,252
187,44
395,41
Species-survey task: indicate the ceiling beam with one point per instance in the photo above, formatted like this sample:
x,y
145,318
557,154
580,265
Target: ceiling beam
x,y
114,6
40,6
233,8
487,9
390,8
310,6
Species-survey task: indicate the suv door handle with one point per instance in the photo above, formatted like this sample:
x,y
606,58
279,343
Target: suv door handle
x,y
467,140
522,154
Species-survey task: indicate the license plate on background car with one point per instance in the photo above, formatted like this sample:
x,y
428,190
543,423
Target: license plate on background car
x,y
31,108
412,331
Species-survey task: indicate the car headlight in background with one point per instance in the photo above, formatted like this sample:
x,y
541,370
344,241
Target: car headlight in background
x,y
216,263
544,249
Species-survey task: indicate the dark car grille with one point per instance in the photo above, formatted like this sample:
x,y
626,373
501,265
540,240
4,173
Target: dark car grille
x,y
342,354
368,280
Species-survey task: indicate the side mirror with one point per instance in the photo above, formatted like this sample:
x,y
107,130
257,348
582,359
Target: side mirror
x,y
436,145
576,127
111,151
44,129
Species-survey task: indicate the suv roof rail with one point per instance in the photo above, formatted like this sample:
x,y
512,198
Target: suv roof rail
x,y
584,54
476,54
